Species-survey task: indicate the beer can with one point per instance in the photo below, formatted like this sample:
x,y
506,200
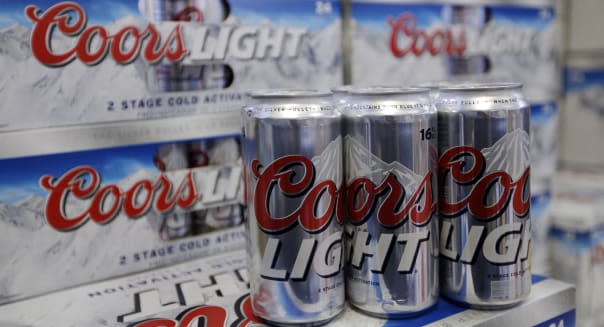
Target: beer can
x,y
390,171
292,150
170,157
197,11
187,77
484,194
217,152
470,16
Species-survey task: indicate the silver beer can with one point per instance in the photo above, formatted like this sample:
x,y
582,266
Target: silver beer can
x,y
390,147
171,157
292,150
484,194
198,11
470,16
188,77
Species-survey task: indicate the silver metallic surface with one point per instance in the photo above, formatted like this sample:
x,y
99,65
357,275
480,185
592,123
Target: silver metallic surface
x,y
295,271
178,77
340,95
392,255
484,206
170,157
469,15
200,11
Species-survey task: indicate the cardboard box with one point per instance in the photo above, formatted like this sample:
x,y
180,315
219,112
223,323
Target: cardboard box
x,y
584,25
409,42
211,287
119,127
124,60
576,240
582,124
80,204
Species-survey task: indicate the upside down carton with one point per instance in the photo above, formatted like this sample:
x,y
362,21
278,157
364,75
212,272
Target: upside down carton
x,y
213,291
119,127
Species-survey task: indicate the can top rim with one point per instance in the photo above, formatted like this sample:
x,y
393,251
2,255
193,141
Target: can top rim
x,y
342,89
477,86
388,90
287,93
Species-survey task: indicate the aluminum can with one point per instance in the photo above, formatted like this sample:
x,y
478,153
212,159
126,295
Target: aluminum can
x,y
484,194
188,77
170,157
215,153
198,11
292,150
471,16
391,233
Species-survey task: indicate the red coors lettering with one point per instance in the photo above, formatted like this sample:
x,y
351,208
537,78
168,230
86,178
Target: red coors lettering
x,y
84,182
419,208
453,165
280,175
212,315
406,37
364,190
452,162
70,19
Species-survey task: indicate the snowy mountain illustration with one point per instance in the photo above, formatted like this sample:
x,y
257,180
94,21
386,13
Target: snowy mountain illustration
x,y
26,214
510,154
30,245
364,163
35,95
328,163
369,46
14,42
317,65
521,66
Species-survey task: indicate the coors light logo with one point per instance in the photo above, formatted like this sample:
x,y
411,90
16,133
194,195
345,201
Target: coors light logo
x,y
208,315
401,195
315,186
93,43
184,190
458,39
498,182
407,38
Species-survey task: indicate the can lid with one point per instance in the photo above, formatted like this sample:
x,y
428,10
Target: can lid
x,y
387,90
287,93
477,86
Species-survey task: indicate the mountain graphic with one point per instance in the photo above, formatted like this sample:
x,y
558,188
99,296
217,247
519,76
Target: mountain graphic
x,y
328,163
361,162
92,252
373,46
317,65
510,154
35,95
26,214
